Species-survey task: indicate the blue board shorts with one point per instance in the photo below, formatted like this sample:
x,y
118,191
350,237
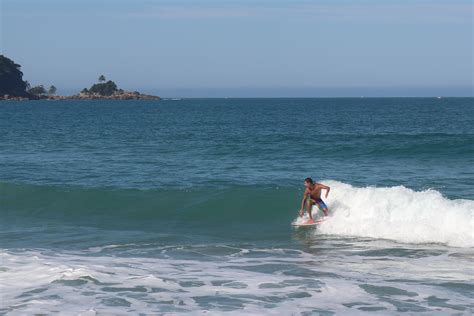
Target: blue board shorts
x,y
321,205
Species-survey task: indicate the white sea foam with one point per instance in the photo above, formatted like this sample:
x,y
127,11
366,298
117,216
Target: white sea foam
x,y
283,282
400,214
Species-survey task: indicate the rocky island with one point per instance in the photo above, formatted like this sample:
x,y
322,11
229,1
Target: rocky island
x,y
107,90
12,87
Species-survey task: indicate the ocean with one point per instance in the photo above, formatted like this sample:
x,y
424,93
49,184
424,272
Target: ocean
x,y
185,206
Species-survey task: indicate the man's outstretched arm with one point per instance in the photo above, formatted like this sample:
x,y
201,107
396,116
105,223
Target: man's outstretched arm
x,y
325,187
302,203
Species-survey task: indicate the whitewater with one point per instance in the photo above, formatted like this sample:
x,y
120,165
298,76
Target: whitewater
x,y
367,276
400,214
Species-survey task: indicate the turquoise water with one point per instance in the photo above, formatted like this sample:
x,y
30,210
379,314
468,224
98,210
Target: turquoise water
x,y
185,206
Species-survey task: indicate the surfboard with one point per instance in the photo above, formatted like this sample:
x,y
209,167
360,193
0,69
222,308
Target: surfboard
x,y
306,224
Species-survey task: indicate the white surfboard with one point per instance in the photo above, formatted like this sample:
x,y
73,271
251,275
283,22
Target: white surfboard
x,y
305,223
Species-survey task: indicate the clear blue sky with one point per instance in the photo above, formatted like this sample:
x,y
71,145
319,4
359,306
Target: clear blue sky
x,y
245,48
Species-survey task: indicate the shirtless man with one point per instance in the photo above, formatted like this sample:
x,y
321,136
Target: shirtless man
x,y
312,196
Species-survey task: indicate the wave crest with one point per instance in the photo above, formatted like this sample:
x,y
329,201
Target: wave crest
x,y
400,214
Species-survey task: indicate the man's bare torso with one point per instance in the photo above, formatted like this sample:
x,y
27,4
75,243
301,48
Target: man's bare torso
x,y
314,192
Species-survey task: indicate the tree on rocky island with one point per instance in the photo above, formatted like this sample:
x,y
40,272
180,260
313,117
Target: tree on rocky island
x,y
104,89
11,78
102,78
37,91
52,91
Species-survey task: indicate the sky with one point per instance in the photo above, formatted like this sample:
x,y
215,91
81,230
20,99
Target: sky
x,y
259,48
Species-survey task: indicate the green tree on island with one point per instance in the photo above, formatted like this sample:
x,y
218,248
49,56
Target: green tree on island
x,y
52,90
104,89
102,78
38,90
11,78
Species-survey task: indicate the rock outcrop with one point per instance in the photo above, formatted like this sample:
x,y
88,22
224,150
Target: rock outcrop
x,y
117,95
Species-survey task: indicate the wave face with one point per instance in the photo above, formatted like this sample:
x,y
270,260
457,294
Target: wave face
x,y
242,214
400,214
395,213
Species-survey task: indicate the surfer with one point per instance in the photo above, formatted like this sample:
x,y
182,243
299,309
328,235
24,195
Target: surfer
x,y
312,196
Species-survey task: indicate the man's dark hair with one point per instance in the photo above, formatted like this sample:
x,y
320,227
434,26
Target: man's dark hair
x,y
308,179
